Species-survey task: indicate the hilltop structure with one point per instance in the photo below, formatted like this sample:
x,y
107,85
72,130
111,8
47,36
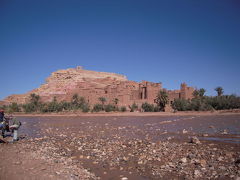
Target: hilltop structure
x,y
63,84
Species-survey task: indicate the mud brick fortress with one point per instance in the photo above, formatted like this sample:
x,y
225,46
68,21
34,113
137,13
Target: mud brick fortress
x,y
91,85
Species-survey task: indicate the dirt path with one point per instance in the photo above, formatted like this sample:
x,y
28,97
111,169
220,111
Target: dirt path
x,y
23,160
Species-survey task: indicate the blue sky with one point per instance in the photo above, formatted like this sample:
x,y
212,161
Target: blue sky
x,y
169,41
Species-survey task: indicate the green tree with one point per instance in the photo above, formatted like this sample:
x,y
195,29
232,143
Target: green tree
x,y
133,107
54,106
79,102
82,102
181,105
201,92
33,105
219,90
116,100
85,107
75,100
35,99
14,107
97,108
66,106
29,107
110,107
162,100
195,93
102,100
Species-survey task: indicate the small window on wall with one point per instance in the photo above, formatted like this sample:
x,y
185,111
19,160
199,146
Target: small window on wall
x,y
171,102
105,92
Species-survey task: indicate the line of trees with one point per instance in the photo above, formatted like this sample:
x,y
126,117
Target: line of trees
x,y
77,103
200,102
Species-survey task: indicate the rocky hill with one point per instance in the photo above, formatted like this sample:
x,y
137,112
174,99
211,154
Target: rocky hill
x,y
92,85
63,83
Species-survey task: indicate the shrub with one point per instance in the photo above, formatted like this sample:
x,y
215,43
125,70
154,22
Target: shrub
x,y
85,108
29,107
78,102
123,109
224,102
66,105
102,100
109,108
148,107
53,107
181,105
133,107
14,107
196,104
156,109
97,108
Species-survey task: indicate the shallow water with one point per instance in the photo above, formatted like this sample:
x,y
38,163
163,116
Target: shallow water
x,y
155,128
235,140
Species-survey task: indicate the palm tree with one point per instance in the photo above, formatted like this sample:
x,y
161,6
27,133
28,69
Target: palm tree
x,y
75,99
195,93
201,92
102,99
34,98
162,99
116,101
219,90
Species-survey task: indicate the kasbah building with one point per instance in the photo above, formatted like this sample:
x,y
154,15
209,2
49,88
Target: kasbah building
x,y
129,92
132,92
92,85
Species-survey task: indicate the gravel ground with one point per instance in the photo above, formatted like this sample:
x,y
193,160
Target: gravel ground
x,y
184,147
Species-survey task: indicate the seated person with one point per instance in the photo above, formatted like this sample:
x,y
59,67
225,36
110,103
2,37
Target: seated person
x,y
14,127
2,122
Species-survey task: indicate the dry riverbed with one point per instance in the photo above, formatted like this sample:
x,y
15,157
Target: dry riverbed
x,y
138,147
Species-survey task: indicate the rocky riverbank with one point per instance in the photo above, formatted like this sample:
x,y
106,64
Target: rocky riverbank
x,y
125,148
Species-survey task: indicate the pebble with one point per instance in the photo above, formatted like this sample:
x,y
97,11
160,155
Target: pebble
x,y
183,160
220,158
194,140
17,163
197,173
184,131
224,131
203,162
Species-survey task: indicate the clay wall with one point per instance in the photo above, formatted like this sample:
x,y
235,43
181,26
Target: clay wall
x,y
186,92
128,92
173,95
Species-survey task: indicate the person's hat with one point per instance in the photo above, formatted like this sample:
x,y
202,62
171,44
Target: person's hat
x,y
1,110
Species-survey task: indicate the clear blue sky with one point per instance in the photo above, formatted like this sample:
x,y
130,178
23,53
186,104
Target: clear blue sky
x,y
167,41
